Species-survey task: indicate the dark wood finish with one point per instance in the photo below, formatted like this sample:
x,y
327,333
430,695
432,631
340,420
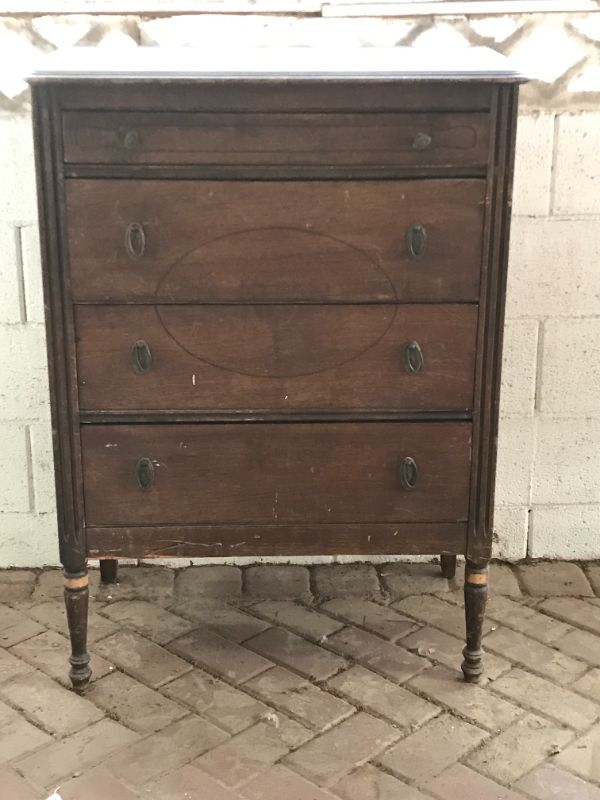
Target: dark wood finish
x,y
282,473
276,96
108,570
233,254
76,604
278,357
476,592
275,242
96,137
491,325
413,538
448,565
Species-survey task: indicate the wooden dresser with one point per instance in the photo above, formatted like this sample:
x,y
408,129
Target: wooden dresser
x,y
274,294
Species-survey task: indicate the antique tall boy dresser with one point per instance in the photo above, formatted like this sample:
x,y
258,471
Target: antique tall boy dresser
x,y
274,288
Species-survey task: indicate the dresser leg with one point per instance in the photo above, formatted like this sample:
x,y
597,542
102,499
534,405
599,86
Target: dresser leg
x,y
76,602
108,570
448,564
476,590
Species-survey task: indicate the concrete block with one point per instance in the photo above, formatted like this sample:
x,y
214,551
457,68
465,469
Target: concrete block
x,y
202,583
23,372
28,540
533,164
553,268
270,31
566,461
570,376
565,531
355,580
278,582
42,462
510,532
554,579
17,175
515,460
10,297
32,273
14,469
577,168
16,584
519,366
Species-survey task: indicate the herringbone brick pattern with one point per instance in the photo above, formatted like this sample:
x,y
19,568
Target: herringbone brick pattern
x,y
330,683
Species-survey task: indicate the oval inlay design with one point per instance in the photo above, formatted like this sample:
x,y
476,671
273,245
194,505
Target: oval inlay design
x,y
276,341
283,265
293,331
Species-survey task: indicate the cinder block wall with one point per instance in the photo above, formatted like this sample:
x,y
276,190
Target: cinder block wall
x,y
548,488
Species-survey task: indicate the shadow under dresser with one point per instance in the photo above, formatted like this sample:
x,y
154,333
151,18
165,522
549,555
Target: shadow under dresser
x,y
274,294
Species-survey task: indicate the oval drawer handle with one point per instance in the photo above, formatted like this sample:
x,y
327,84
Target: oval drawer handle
x,y
144,473
141,357
416,239
135,240
409,473
422,141
131,140
413,357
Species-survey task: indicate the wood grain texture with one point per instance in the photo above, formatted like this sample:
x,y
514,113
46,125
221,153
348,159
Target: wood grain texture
x,y
253,233
279,358
276,96
275,473
491,324
262,242
197,541
449,139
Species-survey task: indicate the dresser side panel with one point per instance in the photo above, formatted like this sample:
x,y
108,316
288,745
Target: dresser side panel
x,y
491,326
59,334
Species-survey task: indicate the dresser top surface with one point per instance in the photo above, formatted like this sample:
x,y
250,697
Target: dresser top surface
x,y
269,64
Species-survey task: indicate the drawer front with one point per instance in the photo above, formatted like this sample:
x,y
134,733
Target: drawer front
x,y
274,242
278,357
275,473
443,139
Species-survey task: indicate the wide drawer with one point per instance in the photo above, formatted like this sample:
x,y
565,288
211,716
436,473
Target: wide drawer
x,y
274,242
277,357
419,139
275,473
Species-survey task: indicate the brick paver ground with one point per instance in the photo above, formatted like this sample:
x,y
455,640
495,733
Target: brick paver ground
x,y
284,682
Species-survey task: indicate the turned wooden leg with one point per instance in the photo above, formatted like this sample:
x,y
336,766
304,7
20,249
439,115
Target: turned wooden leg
x,y
476,589
76,602
448,564
108,570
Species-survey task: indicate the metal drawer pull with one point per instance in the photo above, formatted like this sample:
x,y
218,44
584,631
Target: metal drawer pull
x,y
413,357
416,239
131,140
144,473
141,357
421,141
135,240
409,473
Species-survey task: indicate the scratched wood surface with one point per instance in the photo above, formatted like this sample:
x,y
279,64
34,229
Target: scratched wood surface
x,y
227,540
275,473
274,241
277,357
419,139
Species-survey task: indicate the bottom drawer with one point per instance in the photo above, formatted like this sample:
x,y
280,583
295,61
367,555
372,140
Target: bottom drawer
x,y
301,474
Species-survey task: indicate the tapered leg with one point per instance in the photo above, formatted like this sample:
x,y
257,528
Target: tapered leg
x,y
448,564
76,602
476,590
108,570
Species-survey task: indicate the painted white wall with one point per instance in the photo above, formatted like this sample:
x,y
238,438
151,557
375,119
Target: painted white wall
x,y
548,485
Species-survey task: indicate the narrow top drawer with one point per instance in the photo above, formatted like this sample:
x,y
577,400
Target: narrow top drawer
x,y
295,139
